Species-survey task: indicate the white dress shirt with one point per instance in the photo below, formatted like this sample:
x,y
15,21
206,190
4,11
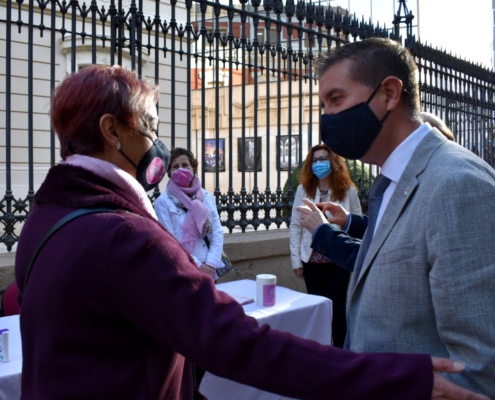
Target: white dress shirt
x,y
396,163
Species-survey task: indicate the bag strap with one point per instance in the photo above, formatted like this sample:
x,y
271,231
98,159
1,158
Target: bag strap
x,y
61,222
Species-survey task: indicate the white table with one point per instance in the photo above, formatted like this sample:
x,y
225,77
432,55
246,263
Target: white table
x,y
10,373
302,314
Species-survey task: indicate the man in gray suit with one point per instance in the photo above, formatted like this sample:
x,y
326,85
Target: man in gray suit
x,y
426,283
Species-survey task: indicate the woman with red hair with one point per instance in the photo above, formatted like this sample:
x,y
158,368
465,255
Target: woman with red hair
x,y
323,177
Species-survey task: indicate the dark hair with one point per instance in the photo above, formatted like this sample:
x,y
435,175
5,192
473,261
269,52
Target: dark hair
x,y
373,60
341,179
85,96
179,151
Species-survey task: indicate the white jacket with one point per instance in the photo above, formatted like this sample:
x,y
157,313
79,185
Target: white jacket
x,y
300,238
172,217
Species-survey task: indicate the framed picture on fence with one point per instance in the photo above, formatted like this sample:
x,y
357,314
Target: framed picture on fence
x,y
284,149
249,154
211,152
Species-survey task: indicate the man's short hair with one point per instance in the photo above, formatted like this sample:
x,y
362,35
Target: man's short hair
x,y
373,60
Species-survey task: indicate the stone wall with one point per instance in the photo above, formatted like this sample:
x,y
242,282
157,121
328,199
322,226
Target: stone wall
x,y
251,253
261,252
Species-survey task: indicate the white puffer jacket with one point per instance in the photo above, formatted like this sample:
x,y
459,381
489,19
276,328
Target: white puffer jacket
x,y
172,217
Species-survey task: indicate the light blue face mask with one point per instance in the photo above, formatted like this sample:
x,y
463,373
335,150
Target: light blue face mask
x,y
322,169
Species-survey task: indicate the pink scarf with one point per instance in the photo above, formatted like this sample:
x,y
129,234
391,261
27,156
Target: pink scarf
x,y
115,175
196,223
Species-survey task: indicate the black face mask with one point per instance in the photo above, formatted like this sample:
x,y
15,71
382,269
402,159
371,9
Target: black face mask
x,y
350,133
152,167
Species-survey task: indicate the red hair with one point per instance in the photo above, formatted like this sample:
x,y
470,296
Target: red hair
x,y
340,178
85,96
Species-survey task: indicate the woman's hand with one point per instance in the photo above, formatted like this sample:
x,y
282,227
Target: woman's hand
x,y
446,390
299,272
206,269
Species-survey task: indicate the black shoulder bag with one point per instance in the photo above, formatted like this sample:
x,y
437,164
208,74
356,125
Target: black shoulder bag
x,y
61,222
228,266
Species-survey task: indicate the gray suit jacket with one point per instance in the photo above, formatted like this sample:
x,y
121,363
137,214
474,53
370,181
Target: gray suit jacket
x,y
428,281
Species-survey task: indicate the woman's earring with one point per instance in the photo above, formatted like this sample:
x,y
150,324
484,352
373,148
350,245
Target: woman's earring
x,y
119,146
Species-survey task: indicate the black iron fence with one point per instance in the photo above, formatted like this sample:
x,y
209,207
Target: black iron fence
x,y
237,88
462,94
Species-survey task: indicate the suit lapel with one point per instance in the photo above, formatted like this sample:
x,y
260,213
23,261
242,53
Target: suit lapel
x,y
403,192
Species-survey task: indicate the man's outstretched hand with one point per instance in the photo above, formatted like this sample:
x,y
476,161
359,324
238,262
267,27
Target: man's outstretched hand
x,y
311,216
339,213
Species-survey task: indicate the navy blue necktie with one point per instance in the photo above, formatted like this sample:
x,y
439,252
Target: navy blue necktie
x,y
374,202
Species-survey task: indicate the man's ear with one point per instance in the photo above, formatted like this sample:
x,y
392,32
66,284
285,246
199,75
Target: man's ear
x,y
393,91
109,129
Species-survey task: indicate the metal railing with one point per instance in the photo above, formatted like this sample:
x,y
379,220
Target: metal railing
x,y
231,73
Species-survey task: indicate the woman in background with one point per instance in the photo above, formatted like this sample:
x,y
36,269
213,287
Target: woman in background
x,y
323,177
190,213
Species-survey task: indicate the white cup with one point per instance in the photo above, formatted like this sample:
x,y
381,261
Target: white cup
x,y
265,290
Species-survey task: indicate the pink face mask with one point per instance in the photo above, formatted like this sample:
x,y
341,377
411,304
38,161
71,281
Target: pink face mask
x,y
182,177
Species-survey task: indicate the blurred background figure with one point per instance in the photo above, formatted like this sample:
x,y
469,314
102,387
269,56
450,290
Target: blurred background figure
x,y
324,177
438,123
190,213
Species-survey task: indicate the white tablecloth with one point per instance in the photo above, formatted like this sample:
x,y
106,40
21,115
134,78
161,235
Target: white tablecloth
x,y
303,315
10,373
